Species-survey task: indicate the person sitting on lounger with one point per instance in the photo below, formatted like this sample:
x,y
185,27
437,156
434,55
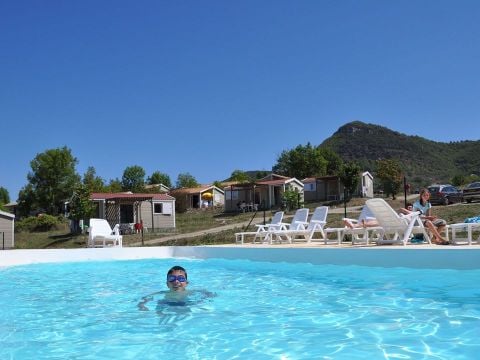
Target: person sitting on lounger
x,y
366,219
406,210
431,222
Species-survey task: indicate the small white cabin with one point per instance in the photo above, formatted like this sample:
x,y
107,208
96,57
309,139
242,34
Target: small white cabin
x,y
7,227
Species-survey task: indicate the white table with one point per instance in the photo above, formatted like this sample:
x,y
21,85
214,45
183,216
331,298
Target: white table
x,y
457,229
340,232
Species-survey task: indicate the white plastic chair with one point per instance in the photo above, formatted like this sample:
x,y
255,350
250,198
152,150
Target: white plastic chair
x,y
397,229
101,235
298,223
298,229
262,229
359,230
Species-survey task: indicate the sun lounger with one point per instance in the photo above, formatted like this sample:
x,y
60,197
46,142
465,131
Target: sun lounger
x,y
286,231
101,235
298,231
360,230
364,228
262,229
397,229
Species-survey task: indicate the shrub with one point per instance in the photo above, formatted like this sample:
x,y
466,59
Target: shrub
x,y
41,222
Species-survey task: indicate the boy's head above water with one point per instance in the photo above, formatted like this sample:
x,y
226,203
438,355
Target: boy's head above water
x,y
177,278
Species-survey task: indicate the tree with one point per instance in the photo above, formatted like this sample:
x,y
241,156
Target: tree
x,y
458,180
133,179
81,207
185,180
349,177
240,176
26,201
334,161
158,177
52,180
218,184
389,174
93,182
471,178
291,199
301,162
114,186
4,196
261,174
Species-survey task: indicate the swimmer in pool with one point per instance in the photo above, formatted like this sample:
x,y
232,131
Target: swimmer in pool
x,y
178,295
177,279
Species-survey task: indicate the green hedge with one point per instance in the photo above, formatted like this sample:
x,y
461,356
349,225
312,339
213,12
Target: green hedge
x,y
39,223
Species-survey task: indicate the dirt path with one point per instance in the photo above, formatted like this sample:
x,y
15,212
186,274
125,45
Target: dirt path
x,y
238,225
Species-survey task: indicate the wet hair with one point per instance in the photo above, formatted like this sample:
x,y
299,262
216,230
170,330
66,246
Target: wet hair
x,y
177,268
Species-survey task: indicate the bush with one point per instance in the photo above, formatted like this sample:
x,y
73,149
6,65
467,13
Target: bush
x,y
291,200
41,222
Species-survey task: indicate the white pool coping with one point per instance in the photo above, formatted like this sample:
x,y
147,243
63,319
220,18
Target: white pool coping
x,y
445,257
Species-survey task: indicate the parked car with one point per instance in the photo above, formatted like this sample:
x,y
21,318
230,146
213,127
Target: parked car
x,y
472,191
444,194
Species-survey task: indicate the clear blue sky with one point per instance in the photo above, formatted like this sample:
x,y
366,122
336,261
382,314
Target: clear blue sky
x,y
207,87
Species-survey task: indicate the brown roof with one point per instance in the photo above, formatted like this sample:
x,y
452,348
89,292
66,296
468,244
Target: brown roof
x,y
274,182
195,190
130,196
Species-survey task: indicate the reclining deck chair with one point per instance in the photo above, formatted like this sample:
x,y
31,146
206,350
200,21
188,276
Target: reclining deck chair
x,y
298,224
361,230
397,229
262,229
316,224
101,235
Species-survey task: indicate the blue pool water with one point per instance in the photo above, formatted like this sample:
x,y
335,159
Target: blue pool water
x,y
260,310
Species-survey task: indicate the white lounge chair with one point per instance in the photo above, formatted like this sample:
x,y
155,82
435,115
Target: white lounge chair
x,y
397,229
299,223
365,216
299,232
360,230
101,235
262,229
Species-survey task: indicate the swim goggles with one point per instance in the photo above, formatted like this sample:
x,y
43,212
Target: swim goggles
x,y
180,278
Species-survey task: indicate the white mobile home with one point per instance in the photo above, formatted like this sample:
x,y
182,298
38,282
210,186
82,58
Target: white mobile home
x,y
7,225
154,211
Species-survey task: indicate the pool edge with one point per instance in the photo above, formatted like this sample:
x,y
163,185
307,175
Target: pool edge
x,y
444,258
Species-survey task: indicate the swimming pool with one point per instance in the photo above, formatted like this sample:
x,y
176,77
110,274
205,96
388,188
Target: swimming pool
x,y
262,310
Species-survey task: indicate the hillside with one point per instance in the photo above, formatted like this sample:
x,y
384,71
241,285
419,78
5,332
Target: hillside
x,y
424,161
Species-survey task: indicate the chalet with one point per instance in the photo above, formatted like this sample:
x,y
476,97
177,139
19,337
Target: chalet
x,y
154,211
265,193
205,196
330,188
7,236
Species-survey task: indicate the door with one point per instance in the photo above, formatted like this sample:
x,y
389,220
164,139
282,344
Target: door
x,y
126,213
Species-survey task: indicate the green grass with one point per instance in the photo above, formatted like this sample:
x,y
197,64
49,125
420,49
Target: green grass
x,y
202,220
59,238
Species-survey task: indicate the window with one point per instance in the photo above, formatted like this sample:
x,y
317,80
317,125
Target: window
x,y
163,208
310,187
158,208
231,195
